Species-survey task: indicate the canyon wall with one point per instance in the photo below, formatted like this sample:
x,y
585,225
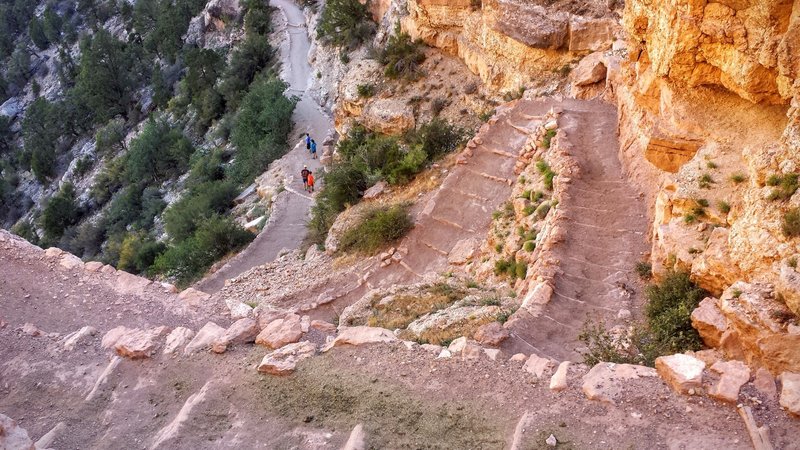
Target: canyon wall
x,y
710,126
511,43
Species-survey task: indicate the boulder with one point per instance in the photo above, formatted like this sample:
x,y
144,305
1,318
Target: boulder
x,y
176,339
682,372
734,374
463,251
193,297
590,70
70,261
357,439
53,252
72,339
112,336
280,332
284,360
559,380
204,338
128,283
764,382
790,392
139,343
240,332
457,345
388,116
93,266
518,357
471,351
322,326
361,336
492,353
376,190
491,334
788,285
709,321
14,437
539,366
590,35
31,329
605,381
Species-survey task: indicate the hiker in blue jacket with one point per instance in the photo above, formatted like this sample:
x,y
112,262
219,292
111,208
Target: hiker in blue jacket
x,y
313,149
308,142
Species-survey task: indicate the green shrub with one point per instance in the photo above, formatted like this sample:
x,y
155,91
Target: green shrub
x,y
785,186
262,127
724,207
366,90
183,217
738,178
60,212
644,269
138,252
705,181
790,223
529,246
511,268
669,309
159,153
188,260
437,138
711,165
345,23
547,141
542,210
379,227
41,130
402,56
546,172
248,60
109,137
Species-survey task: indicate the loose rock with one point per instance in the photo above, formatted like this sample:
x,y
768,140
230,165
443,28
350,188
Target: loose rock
x,y
284,360
682,372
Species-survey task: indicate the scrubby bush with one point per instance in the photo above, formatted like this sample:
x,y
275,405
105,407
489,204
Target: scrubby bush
x,y
402,56
109,137
644,269
41,130
188,260
546,172
61,212
790,223
668,328
344,184
785,186
183,217
378,227
511,268
669,309
548,138
345,23
138,252
262,128
366,90
249,58
159,153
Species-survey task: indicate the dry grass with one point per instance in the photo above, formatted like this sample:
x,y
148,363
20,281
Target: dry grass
x,y
404,309
466,327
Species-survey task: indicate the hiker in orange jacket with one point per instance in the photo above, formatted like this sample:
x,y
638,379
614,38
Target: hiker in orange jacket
x,y
310,182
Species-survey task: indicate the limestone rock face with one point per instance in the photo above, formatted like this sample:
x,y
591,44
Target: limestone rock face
x,y
388,116
507,42
284,360
731,44
682,372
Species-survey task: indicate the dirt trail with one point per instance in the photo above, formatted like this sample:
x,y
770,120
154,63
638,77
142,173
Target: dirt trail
x,y
286,227
606,236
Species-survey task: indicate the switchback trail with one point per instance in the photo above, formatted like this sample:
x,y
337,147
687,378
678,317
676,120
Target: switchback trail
x,y
286,227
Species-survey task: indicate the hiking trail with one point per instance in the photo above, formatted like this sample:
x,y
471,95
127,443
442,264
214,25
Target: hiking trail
x,y
286,227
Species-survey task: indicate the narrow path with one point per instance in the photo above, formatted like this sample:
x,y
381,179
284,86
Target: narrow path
x,y
606,236
286,228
